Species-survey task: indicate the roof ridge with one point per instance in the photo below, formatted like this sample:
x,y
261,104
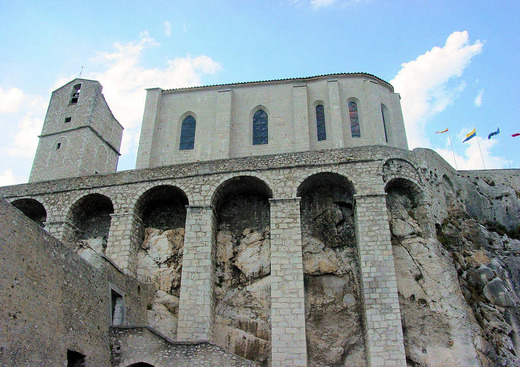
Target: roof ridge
x,y
281,80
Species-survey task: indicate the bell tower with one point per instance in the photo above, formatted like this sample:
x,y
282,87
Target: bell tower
x,y
80,135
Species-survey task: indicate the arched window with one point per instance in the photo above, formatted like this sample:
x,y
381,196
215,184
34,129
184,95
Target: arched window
x,y
74,97
354,120
320,122
260,128
188,133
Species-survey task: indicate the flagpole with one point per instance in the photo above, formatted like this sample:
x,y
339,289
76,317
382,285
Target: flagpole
x,y
481,156
507,156
452,151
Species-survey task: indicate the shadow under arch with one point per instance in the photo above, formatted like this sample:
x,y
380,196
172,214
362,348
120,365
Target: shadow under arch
x,y
32,209
162,207
90,219
332,287
141,364
243,268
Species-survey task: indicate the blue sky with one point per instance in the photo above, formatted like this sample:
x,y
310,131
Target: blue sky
x,y
455,63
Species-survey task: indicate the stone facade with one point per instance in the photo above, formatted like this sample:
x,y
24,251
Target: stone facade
x,y
224,118
309,256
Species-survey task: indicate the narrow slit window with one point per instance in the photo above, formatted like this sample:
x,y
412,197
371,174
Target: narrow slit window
x,y
260,128
74,98
320,123
383,114
354,120
188,133
58,146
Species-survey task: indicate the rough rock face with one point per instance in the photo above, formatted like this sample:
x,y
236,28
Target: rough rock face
x,y
458,284
243,293
331,273
160,263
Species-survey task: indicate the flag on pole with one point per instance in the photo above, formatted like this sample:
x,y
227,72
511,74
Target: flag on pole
x,y
515,135
494,133
442,132
470,135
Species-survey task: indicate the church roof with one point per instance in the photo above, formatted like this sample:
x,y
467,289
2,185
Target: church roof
x,y
285,80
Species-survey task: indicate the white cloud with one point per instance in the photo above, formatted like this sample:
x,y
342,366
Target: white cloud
x,y
7,178
316,4
478,98
10,100
423,83
25,140
167,29
125,79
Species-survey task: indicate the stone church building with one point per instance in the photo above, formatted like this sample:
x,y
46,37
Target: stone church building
x,y
272,223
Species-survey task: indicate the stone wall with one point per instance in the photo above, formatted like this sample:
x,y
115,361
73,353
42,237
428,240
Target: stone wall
x,y
375,297
54,301
224,116
143,345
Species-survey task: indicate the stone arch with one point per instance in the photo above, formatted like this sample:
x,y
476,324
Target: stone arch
x,y
90,218
243,267
162,213
32,209
333,297
400,168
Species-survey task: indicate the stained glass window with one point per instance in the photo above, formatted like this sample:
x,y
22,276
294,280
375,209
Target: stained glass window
x,y
320,122
260,128
354,120
188,133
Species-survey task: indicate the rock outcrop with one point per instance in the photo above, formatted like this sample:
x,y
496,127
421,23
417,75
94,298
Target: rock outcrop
x,y
160,263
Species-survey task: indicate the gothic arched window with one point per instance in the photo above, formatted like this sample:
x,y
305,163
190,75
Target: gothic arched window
x,y
320,122
188,133
354,120
260,128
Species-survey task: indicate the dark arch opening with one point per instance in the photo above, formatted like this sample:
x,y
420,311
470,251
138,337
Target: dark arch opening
x,y
90,216
160,251
32,209
333,298
243,267
163,207
141,364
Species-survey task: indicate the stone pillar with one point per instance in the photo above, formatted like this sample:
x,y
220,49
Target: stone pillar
x,y
288,343
124,238
301,118
196,306
336,121
151,108
383,330
61,230
221,137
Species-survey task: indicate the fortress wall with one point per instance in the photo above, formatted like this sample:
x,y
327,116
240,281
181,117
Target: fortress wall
x,y
54,301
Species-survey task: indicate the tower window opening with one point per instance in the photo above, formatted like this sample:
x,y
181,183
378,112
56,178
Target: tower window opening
x,y
58,146
68,119
75,94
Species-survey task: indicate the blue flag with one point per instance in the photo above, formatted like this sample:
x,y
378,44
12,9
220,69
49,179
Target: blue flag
x,y
494,133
